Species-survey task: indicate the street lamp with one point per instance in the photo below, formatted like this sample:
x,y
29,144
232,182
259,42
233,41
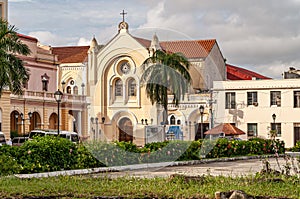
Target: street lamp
x,y
58,96
274,118
201,108
23,120
273,134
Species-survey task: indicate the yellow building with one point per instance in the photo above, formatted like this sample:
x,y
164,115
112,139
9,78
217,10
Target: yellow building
x,y
110,77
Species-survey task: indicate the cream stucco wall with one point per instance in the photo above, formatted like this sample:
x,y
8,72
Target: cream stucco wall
x,y
261,114
104,68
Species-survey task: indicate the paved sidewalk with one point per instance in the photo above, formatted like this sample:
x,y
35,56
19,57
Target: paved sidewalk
x,y
221,166
228,168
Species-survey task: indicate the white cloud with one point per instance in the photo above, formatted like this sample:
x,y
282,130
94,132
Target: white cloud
x,y
83,42
257,34
48,38
17,1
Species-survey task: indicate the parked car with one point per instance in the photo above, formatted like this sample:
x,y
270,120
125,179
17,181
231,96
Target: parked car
x,y
18,141
2,139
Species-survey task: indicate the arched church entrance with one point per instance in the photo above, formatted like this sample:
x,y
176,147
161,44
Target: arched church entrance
x,y
125,130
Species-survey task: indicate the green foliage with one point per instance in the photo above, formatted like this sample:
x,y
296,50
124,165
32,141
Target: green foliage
x,y
113,154
296,148
179,186
44,154
48,153
85,159
13,74
8,165
256,146
14,134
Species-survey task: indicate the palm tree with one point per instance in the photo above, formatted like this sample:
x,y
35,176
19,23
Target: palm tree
x,y
164,74
13,75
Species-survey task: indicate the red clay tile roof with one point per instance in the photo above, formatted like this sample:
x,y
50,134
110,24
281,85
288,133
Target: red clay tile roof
x,y
144,42
71,54
237,73
225,128
21,36
190,48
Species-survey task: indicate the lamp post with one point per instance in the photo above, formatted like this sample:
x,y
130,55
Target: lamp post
x,y
23,120
58,96
201,109
273,134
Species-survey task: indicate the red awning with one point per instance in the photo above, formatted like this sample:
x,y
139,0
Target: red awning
x,y
226,128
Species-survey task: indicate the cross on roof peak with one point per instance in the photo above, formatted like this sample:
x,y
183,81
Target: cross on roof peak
x,y
123,13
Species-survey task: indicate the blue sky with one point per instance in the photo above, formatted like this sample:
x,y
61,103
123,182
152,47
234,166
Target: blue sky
x,y
263,36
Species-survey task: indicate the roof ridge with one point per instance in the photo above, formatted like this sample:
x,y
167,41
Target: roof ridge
x,y
69,46
197,40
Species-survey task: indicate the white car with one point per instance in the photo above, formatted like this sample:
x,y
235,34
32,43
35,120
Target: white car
x,y
2,139
72,136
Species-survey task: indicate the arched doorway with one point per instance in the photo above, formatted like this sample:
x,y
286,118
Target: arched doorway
x,y
35,121
53,121
15,123
125,130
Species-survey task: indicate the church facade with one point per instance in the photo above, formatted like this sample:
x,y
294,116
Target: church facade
x,y
119,108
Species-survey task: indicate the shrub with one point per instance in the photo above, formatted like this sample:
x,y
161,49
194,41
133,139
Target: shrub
x,y
8,165
296,148
48,153
85,159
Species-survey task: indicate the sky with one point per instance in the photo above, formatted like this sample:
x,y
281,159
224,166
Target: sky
x,y
263,36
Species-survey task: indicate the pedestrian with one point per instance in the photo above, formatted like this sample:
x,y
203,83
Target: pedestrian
x,y
8,142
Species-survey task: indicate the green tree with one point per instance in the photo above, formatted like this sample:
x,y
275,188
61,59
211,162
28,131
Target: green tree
x,y
166,73
13,74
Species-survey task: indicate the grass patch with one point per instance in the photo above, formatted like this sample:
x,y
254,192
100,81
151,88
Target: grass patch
x,y
176,187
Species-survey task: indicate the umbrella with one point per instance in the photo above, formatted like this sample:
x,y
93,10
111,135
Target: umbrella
x,y
226,128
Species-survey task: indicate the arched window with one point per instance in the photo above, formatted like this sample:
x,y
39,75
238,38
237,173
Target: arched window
x,y
131,87
118,88
69,89
75,90
172,122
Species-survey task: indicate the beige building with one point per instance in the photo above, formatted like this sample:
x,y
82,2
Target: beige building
x,y
258,106
120,109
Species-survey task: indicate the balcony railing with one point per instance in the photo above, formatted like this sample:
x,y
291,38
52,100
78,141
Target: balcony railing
x,y
190,100
38,95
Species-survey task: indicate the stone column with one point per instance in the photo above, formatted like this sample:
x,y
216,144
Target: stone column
x,y
5,106
45,118
84,123
64,119
26,121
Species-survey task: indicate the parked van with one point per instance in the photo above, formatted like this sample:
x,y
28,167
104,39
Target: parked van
x,y
41,132
2,139
18,141
72,136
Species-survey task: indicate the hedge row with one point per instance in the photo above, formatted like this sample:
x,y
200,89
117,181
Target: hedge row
x,y
44,154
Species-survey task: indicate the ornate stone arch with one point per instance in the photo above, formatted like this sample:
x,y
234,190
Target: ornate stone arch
x,y
117,117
